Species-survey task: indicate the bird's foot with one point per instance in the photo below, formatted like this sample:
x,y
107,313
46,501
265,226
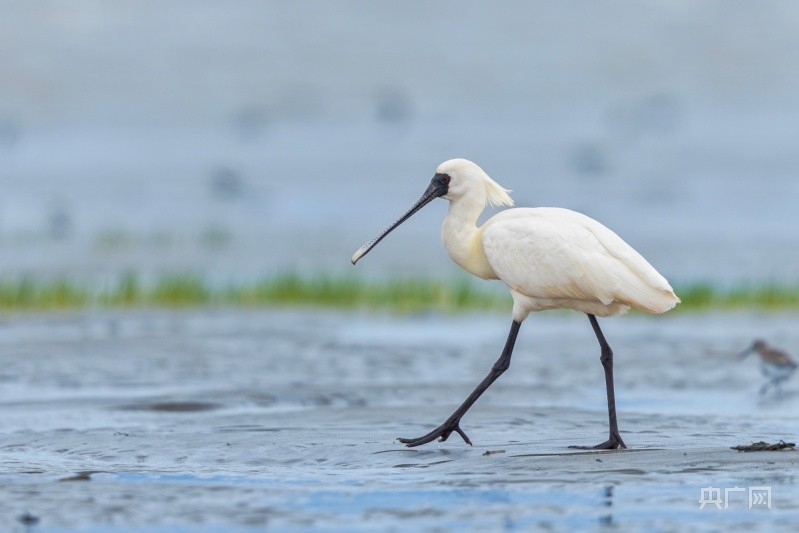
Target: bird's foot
x,y
441,433
613,443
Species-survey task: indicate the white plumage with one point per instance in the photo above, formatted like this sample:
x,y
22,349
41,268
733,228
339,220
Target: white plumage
x,y
549,257
556,258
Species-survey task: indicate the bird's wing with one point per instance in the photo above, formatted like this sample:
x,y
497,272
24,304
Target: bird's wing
x,y
778,357
557,253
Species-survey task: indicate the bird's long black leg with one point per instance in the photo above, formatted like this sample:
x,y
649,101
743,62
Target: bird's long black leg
x,y
614,439
443,431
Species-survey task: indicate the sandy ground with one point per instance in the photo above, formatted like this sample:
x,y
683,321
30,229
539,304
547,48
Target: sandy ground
x,y
231,419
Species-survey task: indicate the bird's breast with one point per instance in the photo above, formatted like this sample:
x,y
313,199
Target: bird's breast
x,y
466,250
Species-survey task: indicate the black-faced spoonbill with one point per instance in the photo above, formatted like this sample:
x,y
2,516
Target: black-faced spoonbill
x,y
774,364
549,258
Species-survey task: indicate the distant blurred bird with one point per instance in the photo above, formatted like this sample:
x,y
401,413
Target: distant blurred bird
x,y
774,364
28,520
549,258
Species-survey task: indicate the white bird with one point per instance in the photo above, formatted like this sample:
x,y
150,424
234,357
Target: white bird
x,y
550,258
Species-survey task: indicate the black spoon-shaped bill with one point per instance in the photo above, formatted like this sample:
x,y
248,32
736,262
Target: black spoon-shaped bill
x,y
438,187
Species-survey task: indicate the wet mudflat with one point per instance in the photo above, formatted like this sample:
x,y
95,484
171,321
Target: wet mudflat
x,y
238,419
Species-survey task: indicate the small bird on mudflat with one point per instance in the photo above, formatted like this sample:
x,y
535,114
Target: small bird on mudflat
x,y
775,364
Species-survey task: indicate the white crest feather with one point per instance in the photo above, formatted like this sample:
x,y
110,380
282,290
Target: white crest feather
x,y
496,194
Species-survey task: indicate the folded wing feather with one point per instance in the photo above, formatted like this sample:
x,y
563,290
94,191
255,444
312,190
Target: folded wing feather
x,y
558,253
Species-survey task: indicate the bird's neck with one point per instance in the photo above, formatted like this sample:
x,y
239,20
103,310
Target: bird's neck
x,y
462,237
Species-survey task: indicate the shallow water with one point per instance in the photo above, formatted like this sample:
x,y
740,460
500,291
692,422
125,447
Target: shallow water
x,y
227,419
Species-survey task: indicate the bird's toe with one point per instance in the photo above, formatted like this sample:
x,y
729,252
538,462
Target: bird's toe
x,y
441,433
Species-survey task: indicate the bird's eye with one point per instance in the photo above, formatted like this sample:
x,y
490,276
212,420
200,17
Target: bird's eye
x,y
445,179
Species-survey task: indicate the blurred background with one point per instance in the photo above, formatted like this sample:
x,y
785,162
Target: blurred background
x,y
237,139
228,142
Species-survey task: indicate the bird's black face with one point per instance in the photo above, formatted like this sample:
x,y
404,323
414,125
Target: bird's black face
x,y
439,186
441,181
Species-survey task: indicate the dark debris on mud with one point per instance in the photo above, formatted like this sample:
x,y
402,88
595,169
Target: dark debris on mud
x,y
763,446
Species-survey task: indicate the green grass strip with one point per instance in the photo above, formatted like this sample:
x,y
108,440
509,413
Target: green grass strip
x,y
343,292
